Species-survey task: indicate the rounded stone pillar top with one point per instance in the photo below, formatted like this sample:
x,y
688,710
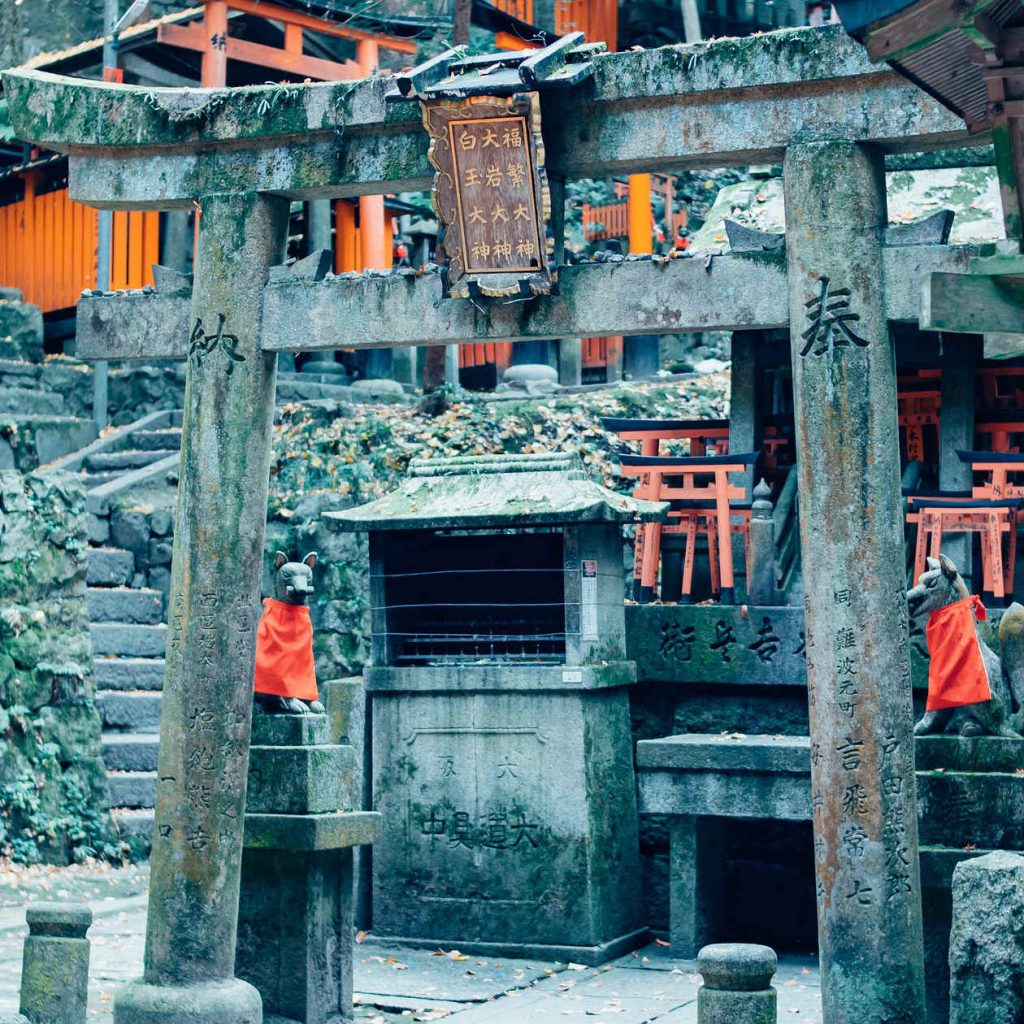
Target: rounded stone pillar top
x,y
737,966
65,920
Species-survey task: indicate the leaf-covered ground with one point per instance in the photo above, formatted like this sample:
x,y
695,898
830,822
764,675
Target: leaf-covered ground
x,y
361,451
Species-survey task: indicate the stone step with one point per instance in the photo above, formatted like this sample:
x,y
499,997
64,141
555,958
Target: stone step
x,y
130,710
109,567
129,640
129,673
92,480
135,827
30,400
168,439
131,459
130,752
132,789
124,604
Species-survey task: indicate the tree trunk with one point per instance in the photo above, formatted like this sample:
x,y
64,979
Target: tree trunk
x,y
463,16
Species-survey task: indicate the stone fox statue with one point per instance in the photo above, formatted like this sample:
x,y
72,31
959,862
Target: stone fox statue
x,y
939,587
285,676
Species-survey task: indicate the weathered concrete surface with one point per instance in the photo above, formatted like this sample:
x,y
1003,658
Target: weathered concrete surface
x,y
986,949
804,84
859,677
628,298
218,558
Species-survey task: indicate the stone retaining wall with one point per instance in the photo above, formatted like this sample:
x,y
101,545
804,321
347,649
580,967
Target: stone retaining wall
x,y
52,784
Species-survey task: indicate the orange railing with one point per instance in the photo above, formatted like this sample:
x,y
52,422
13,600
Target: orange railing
x,y
601,222
48,247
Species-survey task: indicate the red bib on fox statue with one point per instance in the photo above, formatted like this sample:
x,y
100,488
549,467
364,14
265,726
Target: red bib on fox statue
x,y
957,673
284,651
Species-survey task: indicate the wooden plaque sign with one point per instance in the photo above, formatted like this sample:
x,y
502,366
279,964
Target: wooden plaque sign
x,y
491,195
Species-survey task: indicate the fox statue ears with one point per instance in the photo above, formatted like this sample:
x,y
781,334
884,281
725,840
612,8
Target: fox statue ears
x,y
943,562
280,558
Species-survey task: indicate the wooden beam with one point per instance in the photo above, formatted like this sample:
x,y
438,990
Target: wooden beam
x,y
972,304
327,28
214,33
193,37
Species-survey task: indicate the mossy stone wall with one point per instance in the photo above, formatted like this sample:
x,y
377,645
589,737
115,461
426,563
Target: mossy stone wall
x,y
53,793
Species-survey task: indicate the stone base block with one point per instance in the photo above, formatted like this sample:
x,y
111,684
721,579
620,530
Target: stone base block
x,y
732,1007
301,779
225,1002
295,933
289,730
592,956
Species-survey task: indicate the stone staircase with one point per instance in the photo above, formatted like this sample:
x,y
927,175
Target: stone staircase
x,y
129,638
130,491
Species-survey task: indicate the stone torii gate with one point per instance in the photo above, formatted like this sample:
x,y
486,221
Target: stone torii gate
x,y
808,97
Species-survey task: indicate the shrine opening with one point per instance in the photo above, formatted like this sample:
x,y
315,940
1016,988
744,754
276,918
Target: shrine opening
x,y
511,511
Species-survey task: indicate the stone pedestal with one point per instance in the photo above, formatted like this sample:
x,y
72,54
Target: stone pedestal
x,y
295,909
509,810
55,963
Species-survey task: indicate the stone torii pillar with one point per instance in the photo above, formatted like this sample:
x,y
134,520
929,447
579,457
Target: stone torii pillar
x,y
851,525
217,566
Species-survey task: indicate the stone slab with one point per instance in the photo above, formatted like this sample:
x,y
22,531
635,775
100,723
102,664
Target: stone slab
x,y
729,752
310,832
499,678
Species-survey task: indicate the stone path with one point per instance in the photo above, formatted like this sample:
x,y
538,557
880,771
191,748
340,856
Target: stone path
x,y
397,985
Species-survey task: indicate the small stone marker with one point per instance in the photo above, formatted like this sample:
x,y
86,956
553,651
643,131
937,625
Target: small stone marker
x,y
55,964
986,948
737,984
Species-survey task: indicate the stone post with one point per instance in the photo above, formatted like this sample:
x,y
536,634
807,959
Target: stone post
x,y
744,418
986,950
55,963
737,984
207,695
960,355
761,585
570,362
851,532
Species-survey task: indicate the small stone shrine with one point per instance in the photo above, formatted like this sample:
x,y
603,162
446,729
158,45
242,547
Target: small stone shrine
x,y
502,754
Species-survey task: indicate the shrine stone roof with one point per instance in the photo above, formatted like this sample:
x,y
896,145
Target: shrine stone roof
x,y
496,491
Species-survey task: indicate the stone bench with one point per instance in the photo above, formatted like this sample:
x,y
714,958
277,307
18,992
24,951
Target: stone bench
x,y
970,801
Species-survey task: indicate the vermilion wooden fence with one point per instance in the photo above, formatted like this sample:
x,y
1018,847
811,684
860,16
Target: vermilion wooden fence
x,y
48,247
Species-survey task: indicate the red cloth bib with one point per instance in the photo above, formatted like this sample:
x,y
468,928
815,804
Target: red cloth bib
x,y
284,651
957,673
